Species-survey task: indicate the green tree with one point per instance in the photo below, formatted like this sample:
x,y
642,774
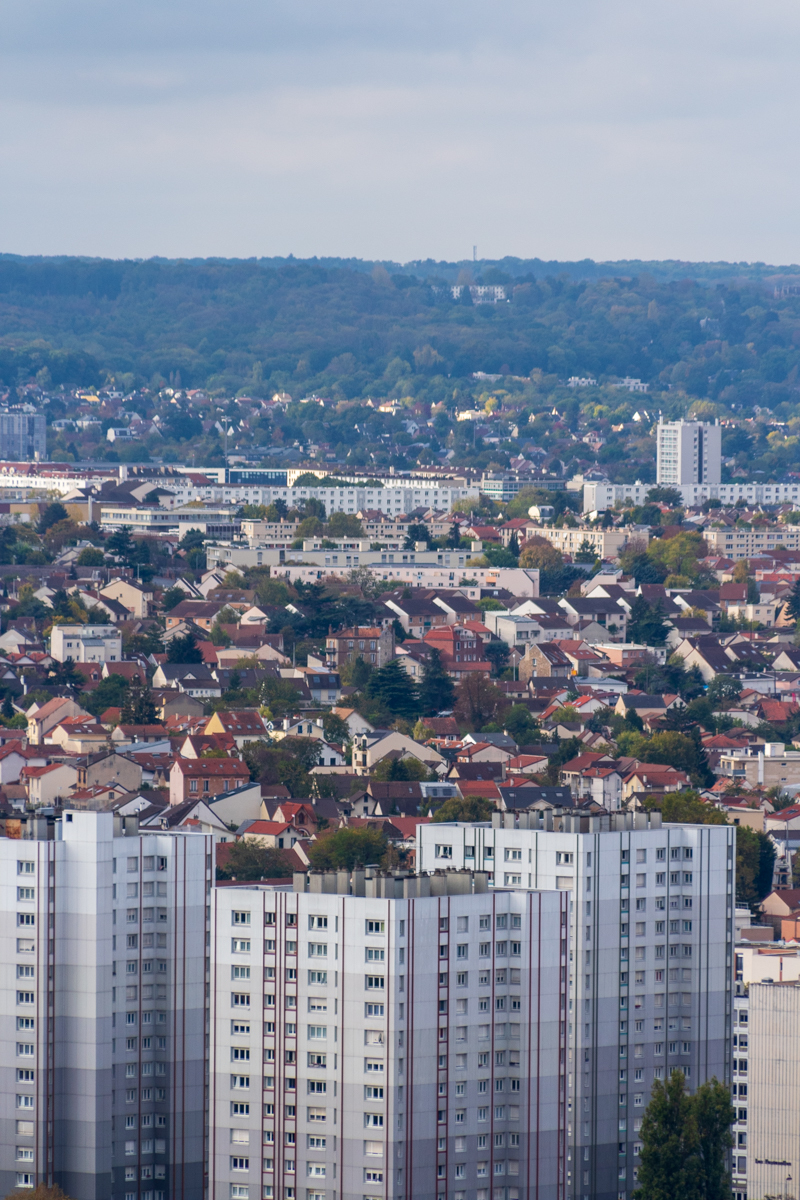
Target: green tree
x,y
184,649
793,603
335,729
280,697
193,539
755,862
356,672
712,1117
121,543
171,598
417,533
347,848
436,688
685,1140
344,525
489,604
664,1163
586,552
679,554
683,751
665,495
248,860
646,623
90,556
54,513
109,693
499,556
402,770
498,654
471,809
393,687
64,674
521,724
138,707
685,808
309,527
723,690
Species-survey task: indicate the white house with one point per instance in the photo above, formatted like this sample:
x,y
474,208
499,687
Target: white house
x,y
86,643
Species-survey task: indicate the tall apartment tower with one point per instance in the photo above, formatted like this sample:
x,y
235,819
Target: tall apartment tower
x,y
650,982
390,1038
688,452
774,1153
23,437
103,1025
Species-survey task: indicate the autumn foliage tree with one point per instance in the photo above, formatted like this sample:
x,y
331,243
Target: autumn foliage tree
x,y
539,554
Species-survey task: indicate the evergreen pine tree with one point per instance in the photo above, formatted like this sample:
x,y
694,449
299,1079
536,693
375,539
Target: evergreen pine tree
x,y
184,649
395,688
436,689
793,603
138,708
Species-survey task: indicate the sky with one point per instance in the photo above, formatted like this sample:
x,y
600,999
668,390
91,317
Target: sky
x,y
570,129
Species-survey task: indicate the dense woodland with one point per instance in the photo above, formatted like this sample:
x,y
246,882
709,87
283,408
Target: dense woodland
x,y
233,325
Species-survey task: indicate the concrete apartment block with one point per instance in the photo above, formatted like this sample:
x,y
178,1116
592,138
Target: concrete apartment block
x,y
381,1036
773,1158
688,452
102,969
652,919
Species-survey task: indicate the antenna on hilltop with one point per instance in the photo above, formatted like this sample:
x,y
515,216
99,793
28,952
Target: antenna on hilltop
x,y
474,253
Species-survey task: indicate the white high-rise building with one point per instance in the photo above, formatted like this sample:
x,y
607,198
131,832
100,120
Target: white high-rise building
x,y
103,1025
688,452
383,1036
650,977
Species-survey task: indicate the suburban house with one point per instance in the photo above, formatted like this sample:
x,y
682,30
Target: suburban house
x,y
96,770
41,719
50,784
370,748
544,661
375,645
132,596
205,777
242,725
462,652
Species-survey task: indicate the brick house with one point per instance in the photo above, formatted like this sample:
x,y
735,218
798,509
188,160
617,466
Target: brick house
x,y
461,650
370,642
201,778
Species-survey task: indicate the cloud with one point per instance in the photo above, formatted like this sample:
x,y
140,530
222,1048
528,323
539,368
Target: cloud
x,y
582,129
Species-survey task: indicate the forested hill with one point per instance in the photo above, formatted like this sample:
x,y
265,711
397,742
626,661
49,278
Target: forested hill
x,y
726,332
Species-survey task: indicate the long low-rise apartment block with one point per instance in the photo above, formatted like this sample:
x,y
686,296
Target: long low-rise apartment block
x,y
605,543
385,1036
597,497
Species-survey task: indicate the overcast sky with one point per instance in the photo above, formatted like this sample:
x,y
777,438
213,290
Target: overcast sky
x,y
414,129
